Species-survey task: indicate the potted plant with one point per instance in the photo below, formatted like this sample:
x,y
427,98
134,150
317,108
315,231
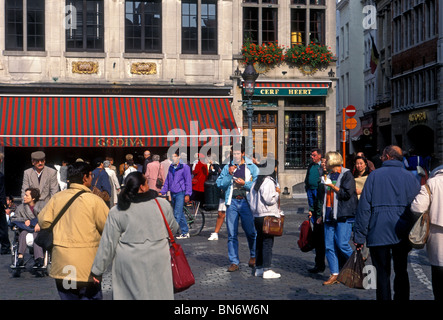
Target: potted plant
x,y
309,58
263,57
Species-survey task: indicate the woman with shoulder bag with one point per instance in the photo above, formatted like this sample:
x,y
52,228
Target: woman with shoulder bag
x,y
264,201
340,204
434,244
135,241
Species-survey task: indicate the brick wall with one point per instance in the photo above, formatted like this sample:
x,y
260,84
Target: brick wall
x,y
414,57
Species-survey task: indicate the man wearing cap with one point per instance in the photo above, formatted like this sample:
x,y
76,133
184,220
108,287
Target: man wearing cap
x,y
40,177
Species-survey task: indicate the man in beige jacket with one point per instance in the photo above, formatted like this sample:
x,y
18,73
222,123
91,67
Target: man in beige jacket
x,y
76,236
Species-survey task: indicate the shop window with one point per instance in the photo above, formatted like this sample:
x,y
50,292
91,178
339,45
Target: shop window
x,y
199,27
143,26
87,33
303,132
25,28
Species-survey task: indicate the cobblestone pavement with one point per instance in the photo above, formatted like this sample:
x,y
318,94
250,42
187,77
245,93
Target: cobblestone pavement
x,y
209,263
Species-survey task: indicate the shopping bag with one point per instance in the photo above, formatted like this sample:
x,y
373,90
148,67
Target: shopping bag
x,y
352,273
418,236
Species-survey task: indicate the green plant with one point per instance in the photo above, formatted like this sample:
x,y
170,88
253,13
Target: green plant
x,y
314,55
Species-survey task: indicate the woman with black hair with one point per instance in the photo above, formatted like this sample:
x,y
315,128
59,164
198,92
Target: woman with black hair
x,y
135,240
361,171
264,201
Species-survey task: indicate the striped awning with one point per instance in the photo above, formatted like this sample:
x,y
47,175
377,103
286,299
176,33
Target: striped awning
x,y
73,121
301,85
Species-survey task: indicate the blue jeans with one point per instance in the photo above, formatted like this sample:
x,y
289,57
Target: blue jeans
x,y
177,202
338,249
84,291
312,198
239,209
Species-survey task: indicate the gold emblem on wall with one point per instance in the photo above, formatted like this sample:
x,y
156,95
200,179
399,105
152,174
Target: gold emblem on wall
x,y
84,67
143,68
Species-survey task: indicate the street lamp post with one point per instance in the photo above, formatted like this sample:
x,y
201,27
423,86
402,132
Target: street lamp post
x,y
249,76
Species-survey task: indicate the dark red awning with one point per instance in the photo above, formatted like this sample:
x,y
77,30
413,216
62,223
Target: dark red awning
x,y
61,121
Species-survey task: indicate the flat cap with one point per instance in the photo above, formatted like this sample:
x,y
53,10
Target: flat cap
x,y
38,155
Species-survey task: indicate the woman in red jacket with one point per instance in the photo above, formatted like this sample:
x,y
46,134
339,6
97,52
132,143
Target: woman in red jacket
x,y
200,174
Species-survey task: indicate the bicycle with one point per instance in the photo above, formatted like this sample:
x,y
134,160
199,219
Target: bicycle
x,y
195,217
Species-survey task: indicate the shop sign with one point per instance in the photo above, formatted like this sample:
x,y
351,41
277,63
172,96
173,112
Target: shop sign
x,y
290,92
119,142
418,117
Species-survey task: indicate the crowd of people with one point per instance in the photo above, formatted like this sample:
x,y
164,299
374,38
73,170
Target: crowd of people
x,y
118,219
374,208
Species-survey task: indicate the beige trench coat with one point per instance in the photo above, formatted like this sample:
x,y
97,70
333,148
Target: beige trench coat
x,y
77,234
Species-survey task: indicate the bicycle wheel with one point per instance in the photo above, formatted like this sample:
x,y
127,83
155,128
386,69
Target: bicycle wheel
x,y
194,217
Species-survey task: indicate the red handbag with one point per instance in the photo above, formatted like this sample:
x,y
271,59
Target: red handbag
x,y
182,275
305,240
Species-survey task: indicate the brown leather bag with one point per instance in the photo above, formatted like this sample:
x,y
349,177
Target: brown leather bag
x,y
102,194
273,226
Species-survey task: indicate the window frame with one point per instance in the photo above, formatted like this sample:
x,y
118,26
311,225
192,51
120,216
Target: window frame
x,y
309,6
261,10
84,32
143,37
25,25
195,43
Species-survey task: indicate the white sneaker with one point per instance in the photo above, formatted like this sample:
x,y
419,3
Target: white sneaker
x,y
214,236
259,272
269,274
183,236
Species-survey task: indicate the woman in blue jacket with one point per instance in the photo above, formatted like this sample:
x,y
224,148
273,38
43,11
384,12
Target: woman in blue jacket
x,y
339,207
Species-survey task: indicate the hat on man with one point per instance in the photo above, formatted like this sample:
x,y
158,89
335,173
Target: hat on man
x,y
38,155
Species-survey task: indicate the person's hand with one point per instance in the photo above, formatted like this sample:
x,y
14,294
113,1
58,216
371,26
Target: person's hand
x,y
95,278
326,181
27,223
358,246
240,181
186,199
37,228
232,170
277,189
309,215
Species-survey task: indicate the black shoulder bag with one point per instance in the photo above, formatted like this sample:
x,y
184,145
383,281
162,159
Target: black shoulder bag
x,y
45,237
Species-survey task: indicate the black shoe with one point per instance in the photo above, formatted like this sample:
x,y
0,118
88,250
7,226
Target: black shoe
x,y
38,263
20,262
316,270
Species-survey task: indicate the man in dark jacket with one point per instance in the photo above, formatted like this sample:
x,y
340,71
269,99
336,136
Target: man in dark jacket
x,y
383,220
315,192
